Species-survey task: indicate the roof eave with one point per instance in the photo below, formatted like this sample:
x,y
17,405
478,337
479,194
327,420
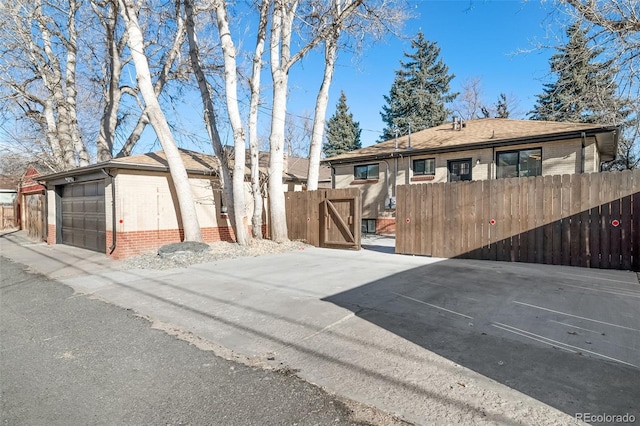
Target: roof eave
x,y
607,144
611,130
117,165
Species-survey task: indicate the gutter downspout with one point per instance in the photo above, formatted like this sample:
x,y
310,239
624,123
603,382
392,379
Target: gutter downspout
x,y
386,184
395,176
113,211
583,138
46,209
333,176
493,171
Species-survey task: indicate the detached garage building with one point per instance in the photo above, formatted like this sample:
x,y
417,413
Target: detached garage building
x,y
128,206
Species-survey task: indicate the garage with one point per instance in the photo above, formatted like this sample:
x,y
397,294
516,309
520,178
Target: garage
x,y
83,221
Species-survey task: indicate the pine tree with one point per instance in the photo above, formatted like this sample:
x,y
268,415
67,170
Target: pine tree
x,y
585,89
419,94
343,134
502,107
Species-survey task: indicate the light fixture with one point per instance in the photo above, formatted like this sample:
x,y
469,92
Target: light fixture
x,y
478,162
69,179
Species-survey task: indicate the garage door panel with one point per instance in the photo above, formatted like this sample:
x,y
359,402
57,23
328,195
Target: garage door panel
x,y
93,224
77,190
90,206
83,215
67,207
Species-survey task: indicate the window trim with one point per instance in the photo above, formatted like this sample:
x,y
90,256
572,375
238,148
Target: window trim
x,y
518,151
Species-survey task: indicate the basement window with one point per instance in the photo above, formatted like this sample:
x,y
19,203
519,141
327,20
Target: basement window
x,y
368,226
521,163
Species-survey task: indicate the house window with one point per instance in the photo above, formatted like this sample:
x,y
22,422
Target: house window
x,y
368,226
521,163
426,166
459,170
366,172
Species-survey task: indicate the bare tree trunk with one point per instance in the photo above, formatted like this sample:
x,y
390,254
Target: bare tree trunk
x,y
112,93
281,61
231,91
319,120
52,134
159,122
52,79
143,120
209,115
280,54
70,84
254,146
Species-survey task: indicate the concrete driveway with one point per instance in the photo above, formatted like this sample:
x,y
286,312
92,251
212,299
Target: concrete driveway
x,y
569,337
433,340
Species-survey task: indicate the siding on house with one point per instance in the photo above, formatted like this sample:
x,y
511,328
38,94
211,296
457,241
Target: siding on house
x,y
147,214
558,157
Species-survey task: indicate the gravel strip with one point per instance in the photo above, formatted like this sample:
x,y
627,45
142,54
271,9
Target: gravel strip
x,y
218,251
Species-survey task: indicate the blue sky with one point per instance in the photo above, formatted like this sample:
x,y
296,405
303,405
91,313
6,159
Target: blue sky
x,y
493,40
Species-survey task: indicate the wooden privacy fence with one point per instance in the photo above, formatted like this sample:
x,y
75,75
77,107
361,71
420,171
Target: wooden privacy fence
x,y
589,220
325,218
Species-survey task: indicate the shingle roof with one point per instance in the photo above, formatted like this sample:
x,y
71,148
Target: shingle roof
x,y
488,131
198,162
193,161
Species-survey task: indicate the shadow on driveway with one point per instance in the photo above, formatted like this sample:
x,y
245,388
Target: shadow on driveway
x,y
568,337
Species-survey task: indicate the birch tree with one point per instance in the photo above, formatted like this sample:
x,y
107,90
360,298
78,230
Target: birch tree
x,y
39,59
157,119
209,111
254,144
281,60
359,20
322,100
107,14
169,68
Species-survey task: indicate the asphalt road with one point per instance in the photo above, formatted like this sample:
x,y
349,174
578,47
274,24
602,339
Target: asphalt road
x,y
70,360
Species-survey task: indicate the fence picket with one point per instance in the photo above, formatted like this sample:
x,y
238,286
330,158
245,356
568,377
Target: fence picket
x,y
552,219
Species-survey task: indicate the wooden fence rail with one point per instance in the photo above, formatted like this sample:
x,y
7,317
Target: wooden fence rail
x,y
589,220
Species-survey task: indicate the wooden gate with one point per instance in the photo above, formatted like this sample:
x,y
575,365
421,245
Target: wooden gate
x,y
35,216
589,220
325,218
7,217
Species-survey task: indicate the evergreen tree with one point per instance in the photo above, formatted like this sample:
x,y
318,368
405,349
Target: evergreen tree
x,y
585,90
343,134
419,94
502,107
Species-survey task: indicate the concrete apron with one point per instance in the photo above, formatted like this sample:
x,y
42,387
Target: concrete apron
x,y
269,310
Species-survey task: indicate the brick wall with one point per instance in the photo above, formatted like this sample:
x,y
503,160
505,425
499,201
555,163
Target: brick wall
x,y
385,226
51,234
138,242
